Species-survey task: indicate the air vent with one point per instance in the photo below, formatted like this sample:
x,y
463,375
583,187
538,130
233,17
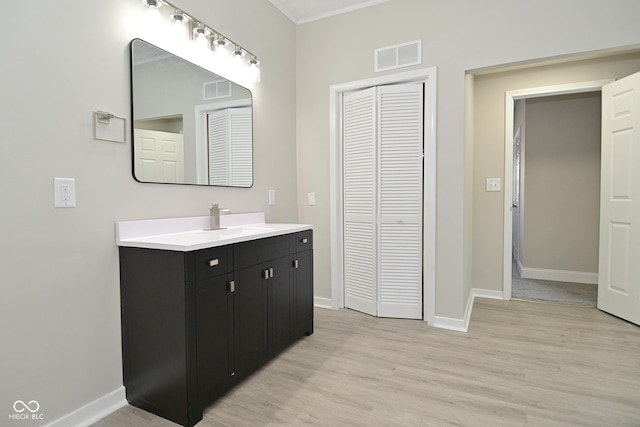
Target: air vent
x,y
216,89
398,56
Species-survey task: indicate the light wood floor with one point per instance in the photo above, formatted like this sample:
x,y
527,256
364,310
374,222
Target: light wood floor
x,y
520,364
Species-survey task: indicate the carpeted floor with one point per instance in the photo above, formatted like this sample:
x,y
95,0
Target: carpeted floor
x,y
554,292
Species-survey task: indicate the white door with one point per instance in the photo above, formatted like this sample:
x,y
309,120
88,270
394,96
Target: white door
x,y
360,205
515,198
159,156
619,266
229,136
400,143
383,161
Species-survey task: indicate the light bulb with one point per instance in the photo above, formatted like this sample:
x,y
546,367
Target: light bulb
x,y
254,69
201,35
179,27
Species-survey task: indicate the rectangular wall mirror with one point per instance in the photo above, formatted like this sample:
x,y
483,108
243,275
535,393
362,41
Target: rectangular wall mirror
x,y
190,126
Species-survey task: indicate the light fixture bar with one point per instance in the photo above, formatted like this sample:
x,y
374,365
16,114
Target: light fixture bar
x,y
188,17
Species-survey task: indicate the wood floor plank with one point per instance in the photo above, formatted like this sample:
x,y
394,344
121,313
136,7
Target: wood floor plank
x,y
520,364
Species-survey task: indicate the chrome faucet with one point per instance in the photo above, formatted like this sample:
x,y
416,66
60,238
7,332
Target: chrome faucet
x,y
214,214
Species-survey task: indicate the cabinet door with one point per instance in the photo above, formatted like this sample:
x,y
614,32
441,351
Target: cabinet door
x,y
303,292
280,302
215,305
251,292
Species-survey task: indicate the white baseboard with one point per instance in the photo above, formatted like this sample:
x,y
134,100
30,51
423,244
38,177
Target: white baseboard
x,y
559,275
449,323
462,325
323,303
93,411
485,293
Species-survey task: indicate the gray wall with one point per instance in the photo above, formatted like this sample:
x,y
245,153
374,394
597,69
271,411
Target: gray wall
x,y
562,186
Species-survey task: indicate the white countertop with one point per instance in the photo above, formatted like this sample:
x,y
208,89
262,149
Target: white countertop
x,y
189,234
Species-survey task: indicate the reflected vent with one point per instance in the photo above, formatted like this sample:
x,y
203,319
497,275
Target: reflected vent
x,y
216,89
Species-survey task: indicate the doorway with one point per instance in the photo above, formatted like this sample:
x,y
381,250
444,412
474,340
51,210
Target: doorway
x,y
557,161
510,100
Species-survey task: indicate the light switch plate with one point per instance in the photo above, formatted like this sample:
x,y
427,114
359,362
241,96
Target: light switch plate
x,y
272,197
494,184
64,192
312,199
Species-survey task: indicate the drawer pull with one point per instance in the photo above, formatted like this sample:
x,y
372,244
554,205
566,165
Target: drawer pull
x,y
232,286
303,241
213,262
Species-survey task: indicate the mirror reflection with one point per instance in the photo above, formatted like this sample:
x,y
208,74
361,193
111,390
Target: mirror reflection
x,y
190,126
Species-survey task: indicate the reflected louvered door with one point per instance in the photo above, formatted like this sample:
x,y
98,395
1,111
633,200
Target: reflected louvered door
x,y
359,160
218,135
383,141
400,143
241,142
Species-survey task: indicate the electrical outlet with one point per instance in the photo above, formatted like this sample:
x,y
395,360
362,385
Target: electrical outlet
x,y
64,192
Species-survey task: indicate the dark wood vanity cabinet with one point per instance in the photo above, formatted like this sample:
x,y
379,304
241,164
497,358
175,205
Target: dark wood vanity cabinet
x,y
194,324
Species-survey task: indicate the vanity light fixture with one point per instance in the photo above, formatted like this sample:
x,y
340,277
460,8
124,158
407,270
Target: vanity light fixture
x,y
201,35
254,69
152,4
207,38
178,17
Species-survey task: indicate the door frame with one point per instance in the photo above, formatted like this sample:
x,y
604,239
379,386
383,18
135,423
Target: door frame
x,y
428,76
509,102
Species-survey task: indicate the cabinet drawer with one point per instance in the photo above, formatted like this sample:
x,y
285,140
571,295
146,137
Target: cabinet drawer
x,y
213,262
303,240
257,251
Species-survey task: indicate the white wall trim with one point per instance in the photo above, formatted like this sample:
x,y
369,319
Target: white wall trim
x,y
323,303
510,98
462,325
560,275
429,77
94,411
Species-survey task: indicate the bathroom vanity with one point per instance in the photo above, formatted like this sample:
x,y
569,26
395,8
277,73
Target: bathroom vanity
x,y
203,309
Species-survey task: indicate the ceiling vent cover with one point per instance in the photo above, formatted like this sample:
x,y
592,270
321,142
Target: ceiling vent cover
x,y
398,56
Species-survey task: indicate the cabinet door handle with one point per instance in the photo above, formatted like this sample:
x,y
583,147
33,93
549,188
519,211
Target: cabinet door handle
x,y
303,241
213,262
232,286
265,274
271,272
295,263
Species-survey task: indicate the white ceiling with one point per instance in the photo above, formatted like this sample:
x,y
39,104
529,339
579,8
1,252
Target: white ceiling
x,y
301,11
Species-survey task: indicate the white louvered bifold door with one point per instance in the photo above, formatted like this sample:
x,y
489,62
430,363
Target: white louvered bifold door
x,y
241,135
218,137
383,161
359,160
400,144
